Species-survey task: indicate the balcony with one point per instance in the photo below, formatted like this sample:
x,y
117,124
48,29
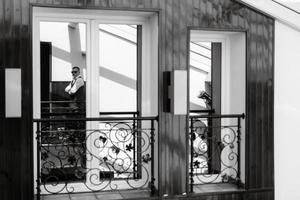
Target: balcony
x,y
113,156
95,155
215,151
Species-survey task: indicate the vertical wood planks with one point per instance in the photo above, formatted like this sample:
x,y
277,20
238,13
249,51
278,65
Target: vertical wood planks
x,y
260,96
270,119
176,161
183,13
169,130
163,122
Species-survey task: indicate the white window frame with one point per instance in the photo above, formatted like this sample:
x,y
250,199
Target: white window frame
x,y
223,37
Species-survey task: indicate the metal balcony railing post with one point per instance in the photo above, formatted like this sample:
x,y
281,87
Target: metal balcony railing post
x,y
38,145
239,151
152,140
134,148
192,154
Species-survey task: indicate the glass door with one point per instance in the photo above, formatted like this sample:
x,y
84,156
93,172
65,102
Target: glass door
x,y
103,51
117,68
115,93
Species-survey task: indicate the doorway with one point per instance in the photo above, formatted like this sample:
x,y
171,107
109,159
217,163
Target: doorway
x,y
114,66
217,90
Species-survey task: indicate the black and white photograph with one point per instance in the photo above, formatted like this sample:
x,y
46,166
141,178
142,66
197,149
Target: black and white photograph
x,y
149,99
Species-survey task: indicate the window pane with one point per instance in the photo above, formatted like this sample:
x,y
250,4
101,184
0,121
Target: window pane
x,y
200,74
118,68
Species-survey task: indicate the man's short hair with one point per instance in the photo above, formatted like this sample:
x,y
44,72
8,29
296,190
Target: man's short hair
x,y
75,67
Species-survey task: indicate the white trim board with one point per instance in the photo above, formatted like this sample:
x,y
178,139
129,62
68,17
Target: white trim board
x,y
275,10
105,16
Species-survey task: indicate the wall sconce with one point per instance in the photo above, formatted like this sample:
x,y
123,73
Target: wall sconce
x,y
175,92
13,93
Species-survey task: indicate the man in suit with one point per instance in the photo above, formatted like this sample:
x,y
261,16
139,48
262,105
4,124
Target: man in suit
x,y
76,91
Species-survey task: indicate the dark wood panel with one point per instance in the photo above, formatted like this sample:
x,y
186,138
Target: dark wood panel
x,y
167,179
185,16
251,104
265,140
175,48
174,18
270,119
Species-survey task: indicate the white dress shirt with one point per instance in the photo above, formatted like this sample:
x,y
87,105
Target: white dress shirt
x,y
74,85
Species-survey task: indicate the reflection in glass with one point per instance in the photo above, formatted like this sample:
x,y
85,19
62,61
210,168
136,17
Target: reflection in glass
x,y
200,75
118,94
118,68
63,67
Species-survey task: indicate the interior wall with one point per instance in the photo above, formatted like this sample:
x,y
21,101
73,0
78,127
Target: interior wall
x,y
287,112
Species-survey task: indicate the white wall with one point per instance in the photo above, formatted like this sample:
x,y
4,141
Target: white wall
x,y
287,112
236,89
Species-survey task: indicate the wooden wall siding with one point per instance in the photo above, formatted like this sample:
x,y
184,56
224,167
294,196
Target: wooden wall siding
x,y
175,16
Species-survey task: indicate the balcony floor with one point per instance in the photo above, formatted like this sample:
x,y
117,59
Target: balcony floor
x,y
217,187
138,194
110,195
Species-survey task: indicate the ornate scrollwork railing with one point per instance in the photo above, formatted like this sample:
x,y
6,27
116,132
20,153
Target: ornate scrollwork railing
x,y
94,154
214,149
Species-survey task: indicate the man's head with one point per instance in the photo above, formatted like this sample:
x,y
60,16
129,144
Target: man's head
x,y
75,71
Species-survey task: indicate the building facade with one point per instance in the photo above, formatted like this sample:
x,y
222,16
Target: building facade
x,y
178,22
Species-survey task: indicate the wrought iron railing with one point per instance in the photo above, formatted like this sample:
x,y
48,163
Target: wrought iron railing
x,y
197,112
214,149
54,109
94,154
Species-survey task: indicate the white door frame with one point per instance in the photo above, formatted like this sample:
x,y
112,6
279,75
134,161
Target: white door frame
x,y
92,18
149,22
226,38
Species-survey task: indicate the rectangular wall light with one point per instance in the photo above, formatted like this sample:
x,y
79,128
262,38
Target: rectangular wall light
x,y
179,92
175,92
13,93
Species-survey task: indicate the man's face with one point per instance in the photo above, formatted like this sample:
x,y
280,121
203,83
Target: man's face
x,y
75,72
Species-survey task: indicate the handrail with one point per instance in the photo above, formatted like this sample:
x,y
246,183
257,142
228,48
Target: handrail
x,y
203,111
95,119
134,113
62,113
81,113
44,102
119,113
220,116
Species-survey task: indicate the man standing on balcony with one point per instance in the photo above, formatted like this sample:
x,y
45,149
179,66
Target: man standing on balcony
x,y
76,91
